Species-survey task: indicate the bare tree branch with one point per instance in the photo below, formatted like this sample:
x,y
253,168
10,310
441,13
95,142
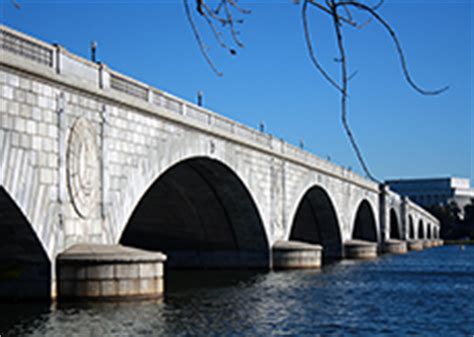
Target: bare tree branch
x,y
16,4
332,9
378,5
328,11
222,13
219,15
234,4
398,46
309,45
231,22
217,34
197,36
345,80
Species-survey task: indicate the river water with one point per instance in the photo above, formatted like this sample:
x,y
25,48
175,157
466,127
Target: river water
x,y
428,293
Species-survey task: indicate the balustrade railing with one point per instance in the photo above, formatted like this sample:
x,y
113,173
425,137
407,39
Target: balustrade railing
x,y
127,86
27,47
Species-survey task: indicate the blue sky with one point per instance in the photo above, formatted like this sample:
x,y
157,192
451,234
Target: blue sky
x,y
401,133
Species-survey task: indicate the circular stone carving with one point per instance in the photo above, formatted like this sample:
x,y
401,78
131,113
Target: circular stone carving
x,y
83,168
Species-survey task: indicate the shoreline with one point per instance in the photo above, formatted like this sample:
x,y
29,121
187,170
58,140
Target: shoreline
x,y
459,242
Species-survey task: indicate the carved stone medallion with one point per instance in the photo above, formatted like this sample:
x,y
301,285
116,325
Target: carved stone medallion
x,y
83,168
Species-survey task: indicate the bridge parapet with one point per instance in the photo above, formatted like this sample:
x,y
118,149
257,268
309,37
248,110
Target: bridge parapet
x,y
55,62
399,211
417,208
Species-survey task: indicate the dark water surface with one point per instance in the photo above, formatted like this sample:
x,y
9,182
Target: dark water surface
x,y
429,293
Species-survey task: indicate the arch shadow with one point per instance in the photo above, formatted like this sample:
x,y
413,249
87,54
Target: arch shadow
x,y
394,225
365,227
421,230
411,228
201,215
315,221
25,268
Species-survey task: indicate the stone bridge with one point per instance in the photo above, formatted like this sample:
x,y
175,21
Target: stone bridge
x,y
89,155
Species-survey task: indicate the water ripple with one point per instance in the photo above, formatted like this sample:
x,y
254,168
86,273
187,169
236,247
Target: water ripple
x,y
429,293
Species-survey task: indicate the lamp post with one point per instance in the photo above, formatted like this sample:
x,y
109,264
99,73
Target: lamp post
x,y
200,96
93,51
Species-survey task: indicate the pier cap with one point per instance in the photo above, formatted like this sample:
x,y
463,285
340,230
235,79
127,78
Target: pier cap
x,y
295,245
109,253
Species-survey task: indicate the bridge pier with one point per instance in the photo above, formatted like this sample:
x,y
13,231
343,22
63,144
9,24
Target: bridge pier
x,y
427,244
415,245
360,249
438,242
93,271
296,255
392,246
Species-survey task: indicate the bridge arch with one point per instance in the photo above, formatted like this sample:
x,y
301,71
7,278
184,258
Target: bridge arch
x,y
25,268
428,230
201,214
316,221
421,230
394,225
411,227
365,225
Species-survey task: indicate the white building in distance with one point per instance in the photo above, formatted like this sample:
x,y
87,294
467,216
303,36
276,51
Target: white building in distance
x,y
435,191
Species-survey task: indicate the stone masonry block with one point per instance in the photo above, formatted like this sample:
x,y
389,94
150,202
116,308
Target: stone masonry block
x,y
72,273
93,288
148,270
6,92
109,288
148,286
100,272
129,287
126,271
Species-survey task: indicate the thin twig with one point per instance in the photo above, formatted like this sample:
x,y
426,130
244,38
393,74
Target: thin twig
x,y
309,45
221,14
351,19
16,4
327,11
345,80
348,13
378,5
398,46
234,4
198,38
232,26
217,34
213,14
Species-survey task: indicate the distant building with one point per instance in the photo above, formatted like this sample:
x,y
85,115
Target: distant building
x,y
435,191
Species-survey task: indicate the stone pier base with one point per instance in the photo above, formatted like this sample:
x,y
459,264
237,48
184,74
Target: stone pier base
x,y
359,249
415,245
296,255
93,271
438,242
392,246
427,244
